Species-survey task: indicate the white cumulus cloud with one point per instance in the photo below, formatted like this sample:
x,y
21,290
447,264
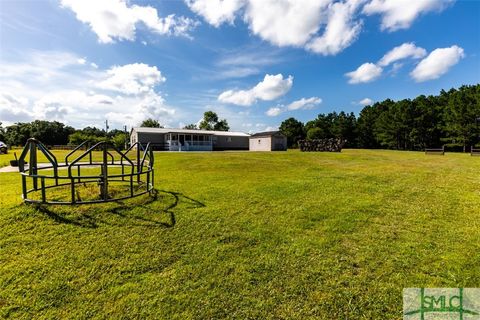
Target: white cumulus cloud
x,y
52,85
240,97
274,111
135,78
116,19
366,102
400,14
216,12
437,63
152,105
322,26
285,22
271,88
341,29
303,103
406,50
325,27
14,109
367,72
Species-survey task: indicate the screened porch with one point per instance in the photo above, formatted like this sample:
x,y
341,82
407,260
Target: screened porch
x,y
189,141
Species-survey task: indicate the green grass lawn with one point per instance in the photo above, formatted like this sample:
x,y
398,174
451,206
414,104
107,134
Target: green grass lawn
x,y
248,236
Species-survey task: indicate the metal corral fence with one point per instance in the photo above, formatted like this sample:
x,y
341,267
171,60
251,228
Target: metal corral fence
x,y
136,175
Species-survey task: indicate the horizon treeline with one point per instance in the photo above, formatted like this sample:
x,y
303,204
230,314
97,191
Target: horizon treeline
x,y
450,119
53,133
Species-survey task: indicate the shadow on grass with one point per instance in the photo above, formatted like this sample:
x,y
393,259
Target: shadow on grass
x,y
177,198
85,220
124,210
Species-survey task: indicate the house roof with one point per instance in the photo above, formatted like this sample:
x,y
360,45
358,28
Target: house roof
x,y
191,131
266,134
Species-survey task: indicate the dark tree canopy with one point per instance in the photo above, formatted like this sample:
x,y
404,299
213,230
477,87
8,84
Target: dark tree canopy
x,y
151,123
2,133
294,130
49,132
211,122
333,125
93,135
461,122
191,126
451,118
315,133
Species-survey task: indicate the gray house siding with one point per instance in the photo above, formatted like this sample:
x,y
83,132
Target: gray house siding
x,y
157,140
230,143
189,140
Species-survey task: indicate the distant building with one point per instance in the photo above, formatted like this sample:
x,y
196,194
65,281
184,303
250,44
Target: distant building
x,y
268,141
189,140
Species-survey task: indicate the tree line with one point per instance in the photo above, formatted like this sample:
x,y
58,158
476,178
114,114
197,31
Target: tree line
x,y
450,119
56,133
53,133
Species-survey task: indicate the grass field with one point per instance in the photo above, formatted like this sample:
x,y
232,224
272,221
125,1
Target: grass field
x,y
248,236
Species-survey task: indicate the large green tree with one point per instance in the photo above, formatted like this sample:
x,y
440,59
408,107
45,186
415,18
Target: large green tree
x,y
334,125
151,123
211,122
48,132
461,121
2,133
366,127
315,133
294,130
344,127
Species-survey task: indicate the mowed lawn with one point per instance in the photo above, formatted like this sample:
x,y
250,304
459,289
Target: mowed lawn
x,y
245,235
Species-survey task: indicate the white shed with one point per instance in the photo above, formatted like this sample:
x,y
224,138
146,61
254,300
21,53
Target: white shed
x,y
268,141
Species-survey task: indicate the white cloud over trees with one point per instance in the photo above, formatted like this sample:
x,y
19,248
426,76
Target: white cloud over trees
x,y
55,86
270,88
367,72
301,104
437,63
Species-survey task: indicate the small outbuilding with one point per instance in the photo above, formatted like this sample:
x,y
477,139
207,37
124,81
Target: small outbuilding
x,y
268,141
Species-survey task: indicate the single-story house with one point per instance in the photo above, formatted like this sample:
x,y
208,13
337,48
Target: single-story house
x,y
268,141
189,140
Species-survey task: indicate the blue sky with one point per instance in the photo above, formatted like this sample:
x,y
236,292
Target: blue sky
x,y
254,62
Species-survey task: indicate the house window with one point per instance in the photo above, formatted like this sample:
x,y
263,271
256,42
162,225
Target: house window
x,y
259,141
229,139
